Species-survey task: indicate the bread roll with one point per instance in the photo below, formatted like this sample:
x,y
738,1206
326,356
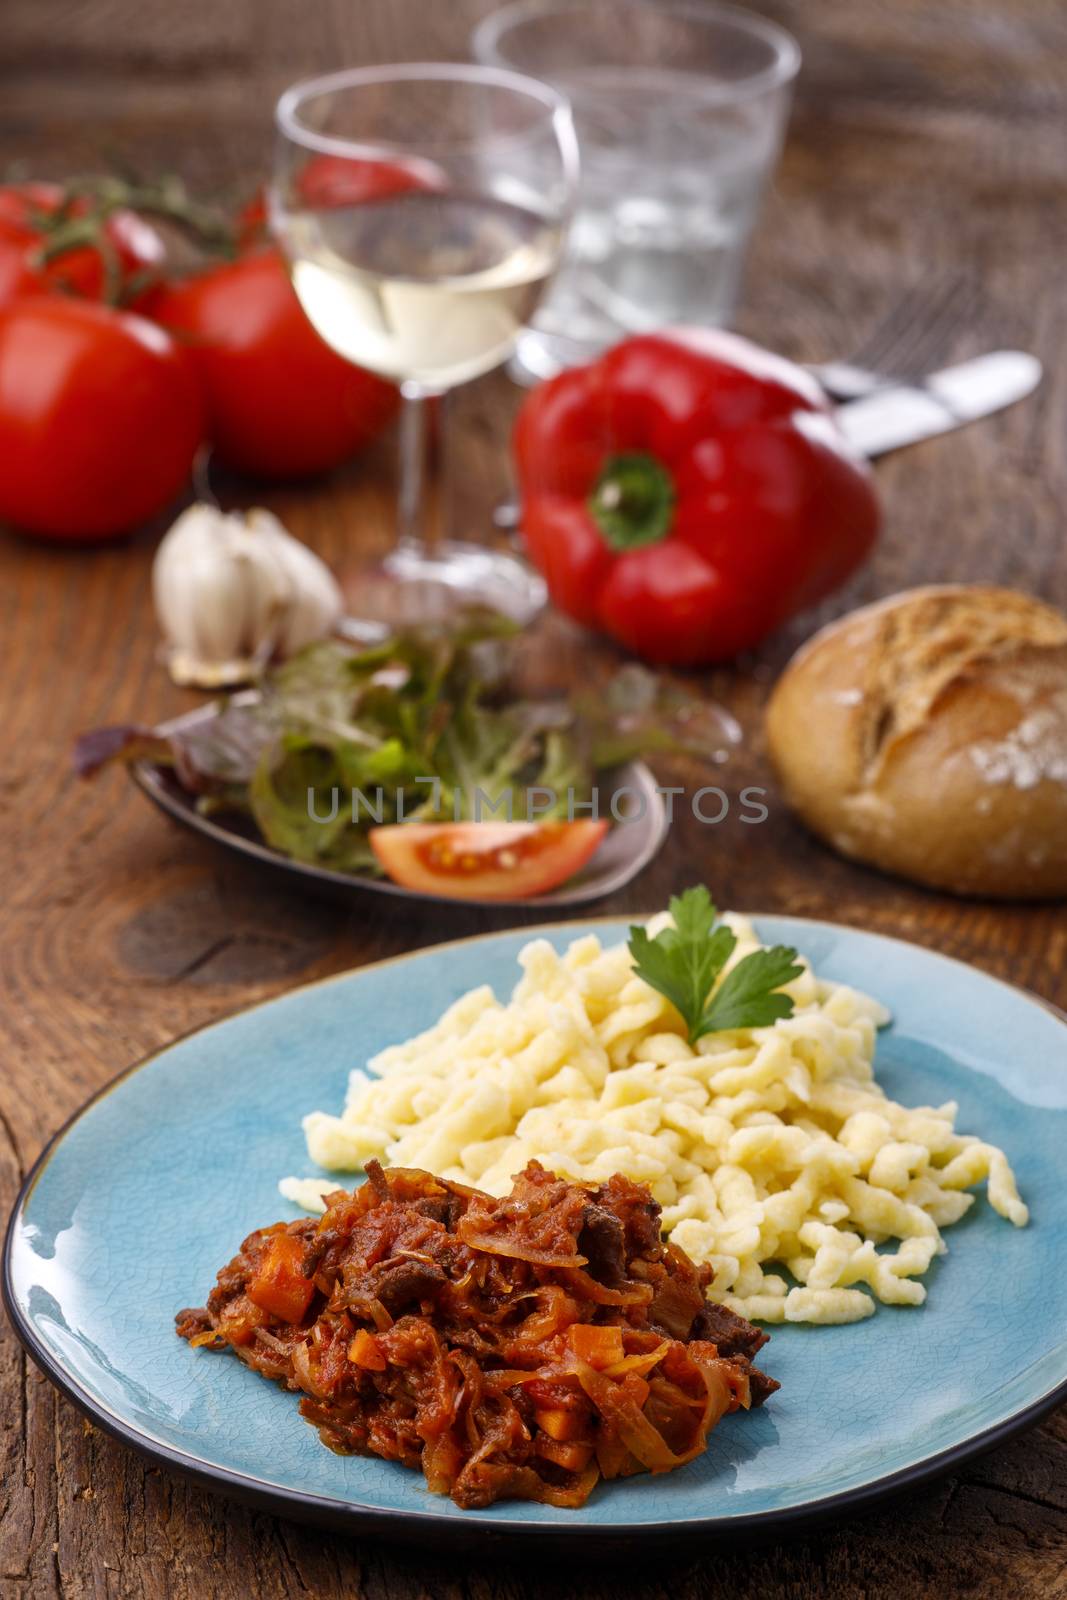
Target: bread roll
x,y
927,735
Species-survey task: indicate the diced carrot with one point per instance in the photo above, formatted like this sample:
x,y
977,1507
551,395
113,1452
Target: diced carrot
x,y
635,1388
240,1320
599,1346
572,1457
561,1425
364,1351
279,1287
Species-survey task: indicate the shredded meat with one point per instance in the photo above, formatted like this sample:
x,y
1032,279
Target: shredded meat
x,y
518,1348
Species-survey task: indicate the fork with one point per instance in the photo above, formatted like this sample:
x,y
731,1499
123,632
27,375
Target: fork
x,y
910,341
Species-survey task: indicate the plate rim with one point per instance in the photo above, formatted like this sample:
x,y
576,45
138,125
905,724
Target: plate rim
x,y
430,1526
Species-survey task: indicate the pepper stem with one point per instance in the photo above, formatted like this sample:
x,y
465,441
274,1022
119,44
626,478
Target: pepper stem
x,y
632,502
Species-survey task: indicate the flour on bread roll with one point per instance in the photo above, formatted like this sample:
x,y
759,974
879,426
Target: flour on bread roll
x,y
927,735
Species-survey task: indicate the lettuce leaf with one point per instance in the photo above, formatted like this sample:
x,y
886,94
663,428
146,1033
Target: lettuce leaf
x,y
426,725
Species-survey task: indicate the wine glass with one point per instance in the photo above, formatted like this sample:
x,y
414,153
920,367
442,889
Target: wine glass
x,y
422,209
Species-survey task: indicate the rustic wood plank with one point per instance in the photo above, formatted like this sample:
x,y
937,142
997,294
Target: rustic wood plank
x,y
926,138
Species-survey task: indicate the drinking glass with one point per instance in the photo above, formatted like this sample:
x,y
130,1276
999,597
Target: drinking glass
x,y
422,210
680,111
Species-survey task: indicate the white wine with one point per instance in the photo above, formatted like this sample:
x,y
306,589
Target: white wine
x,y
425,286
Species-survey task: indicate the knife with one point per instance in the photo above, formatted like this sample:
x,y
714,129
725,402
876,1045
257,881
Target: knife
x,y
902,414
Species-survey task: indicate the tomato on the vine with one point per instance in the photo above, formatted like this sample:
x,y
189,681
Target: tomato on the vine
x,y
128,250
280,402
100,418
329,181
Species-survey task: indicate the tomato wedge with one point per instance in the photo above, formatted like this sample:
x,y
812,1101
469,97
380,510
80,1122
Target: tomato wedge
x,y
485,860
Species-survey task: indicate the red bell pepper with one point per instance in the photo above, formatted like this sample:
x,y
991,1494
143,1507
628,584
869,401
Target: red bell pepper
x,y
688,492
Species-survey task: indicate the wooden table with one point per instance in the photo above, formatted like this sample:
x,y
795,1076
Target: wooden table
x,y
927,141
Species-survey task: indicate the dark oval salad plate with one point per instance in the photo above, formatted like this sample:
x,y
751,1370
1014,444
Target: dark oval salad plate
x,y
318,771
627,849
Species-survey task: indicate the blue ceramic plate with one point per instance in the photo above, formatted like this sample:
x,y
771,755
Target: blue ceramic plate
x,y
147,1191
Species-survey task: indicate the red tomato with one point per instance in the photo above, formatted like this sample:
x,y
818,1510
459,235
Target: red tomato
x,y
485,860
100,417
280,402
18,275
24,212
343,181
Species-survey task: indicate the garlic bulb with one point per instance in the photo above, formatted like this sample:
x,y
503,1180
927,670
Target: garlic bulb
x,y
233,590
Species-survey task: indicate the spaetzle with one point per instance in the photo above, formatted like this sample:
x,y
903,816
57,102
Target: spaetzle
x,y
774,1153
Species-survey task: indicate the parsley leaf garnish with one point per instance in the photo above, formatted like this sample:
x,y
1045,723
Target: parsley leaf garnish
x,y
684,962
